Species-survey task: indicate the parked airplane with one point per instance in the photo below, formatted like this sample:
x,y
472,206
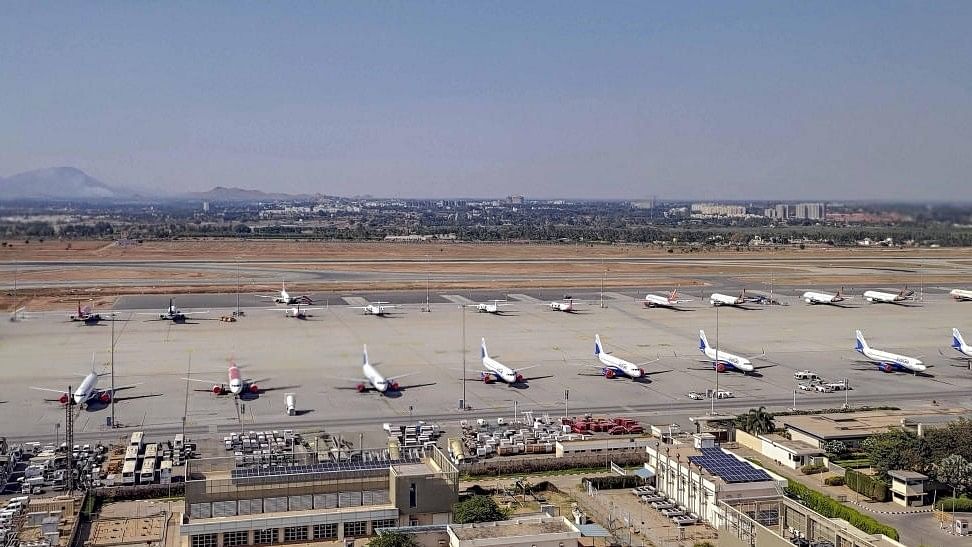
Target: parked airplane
x,y
880,297
286,298
18,314
723,361
812,297
374,308
670,301
296,312
493,306
87,392
718,299
566,305
494,370
374,380
86,315
961,294
174,314
886,361
959,345
615,366
236,383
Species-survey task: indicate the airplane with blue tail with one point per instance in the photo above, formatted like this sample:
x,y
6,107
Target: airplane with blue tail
x,y
887,361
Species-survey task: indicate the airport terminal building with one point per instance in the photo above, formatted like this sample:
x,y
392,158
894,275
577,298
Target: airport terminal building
x,y
320,502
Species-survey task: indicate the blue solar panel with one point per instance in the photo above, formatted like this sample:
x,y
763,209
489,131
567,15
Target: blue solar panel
x,y
727,467
328,467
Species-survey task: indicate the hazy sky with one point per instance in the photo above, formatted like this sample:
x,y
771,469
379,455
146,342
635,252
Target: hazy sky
x,y
614,99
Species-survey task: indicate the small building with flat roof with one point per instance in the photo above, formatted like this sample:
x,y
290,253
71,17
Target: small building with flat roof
x,y
907,487
525,532
851,428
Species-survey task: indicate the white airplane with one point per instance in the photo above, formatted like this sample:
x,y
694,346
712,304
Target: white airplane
x,y
174,314
959,345
18,314
813,297
87,392
494,370
670,301
880,297
719,299
615,366
493,306
723,361
236,384
567,305
375,380
286,298
374,308
296,312
961,294
887,361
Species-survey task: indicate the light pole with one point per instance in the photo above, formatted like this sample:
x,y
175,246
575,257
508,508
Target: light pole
x,y
462,329
111,354
716,393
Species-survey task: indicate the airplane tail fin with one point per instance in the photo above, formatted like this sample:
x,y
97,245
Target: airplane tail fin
x,y
674,294
364,355
957,340
482,350
598,348
703,341
840,292
861,342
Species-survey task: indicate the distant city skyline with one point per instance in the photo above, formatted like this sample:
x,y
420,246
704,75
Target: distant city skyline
x,y
826,101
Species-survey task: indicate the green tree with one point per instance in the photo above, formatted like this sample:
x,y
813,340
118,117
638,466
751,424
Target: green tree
x,y
896,449
477,509
393,539
757,421
954,471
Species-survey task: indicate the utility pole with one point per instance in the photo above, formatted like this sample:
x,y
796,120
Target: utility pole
x,y
111,360
69,438
603,273
238,286
716,393
185,410
462,329
566,398
428,281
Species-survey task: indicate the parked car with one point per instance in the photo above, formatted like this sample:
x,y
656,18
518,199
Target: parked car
x,y
696,395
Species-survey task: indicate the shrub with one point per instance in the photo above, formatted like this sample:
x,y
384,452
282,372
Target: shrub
x,y
813,469
477,509
612,482
830,508
961,504
834,481
867,485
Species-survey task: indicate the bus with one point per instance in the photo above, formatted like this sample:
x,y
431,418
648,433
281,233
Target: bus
x,y
137,439
146,475
152,451
128,472
131,453
165,472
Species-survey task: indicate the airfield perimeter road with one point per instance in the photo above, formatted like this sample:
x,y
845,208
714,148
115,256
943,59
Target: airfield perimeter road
x,y
317,357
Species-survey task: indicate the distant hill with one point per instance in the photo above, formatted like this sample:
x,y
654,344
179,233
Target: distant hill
x,y
58,183
222,193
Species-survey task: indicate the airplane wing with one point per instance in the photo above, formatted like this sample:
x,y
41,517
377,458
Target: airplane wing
x,y
655,360
954,357
194,312
264,296
400,376
521,369
129,386
48,389
210,382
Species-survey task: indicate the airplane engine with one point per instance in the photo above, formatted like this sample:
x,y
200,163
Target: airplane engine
x,y
643,373
808,301
394,386
609,373
64,399
488,378
886,367
104,397
217,390
254,388
519,377
720,367
360,388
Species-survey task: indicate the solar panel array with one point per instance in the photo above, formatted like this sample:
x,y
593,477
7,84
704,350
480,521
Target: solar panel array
x,y
727,467
327,467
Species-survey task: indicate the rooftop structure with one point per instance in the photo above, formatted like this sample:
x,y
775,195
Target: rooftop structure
x,y
853,427
527,531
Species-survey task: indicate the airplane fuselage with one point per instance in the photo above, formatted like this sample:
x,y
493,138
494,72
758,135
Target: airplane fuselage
x,y
960,294
878,297
614,365
717,299
499,371
562,306
811,297
487,308
889,362
727,360
654,300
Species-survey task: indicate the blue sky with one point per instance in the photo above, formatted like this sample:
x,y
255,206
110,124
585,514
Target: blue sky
x,y
829,100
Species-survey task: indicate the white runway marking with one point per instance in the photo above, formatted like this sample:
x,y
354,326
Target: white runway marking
x,y
355,300
524,298
461,300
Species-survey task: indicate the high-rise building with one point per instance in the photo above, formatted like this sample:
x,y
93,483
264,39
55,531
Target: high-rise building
x,y
810,211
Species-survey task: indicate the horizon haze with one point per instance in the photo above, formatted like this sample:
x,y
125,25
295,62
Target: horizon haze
x,y
750,100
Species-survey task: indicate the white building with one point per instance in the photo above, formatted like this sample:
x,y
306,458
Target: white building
x,y
698,477
811,211
718,210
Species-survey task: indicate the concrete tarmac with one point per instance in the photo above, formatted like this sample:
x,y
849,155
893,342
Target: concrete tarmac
x,y
319,360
